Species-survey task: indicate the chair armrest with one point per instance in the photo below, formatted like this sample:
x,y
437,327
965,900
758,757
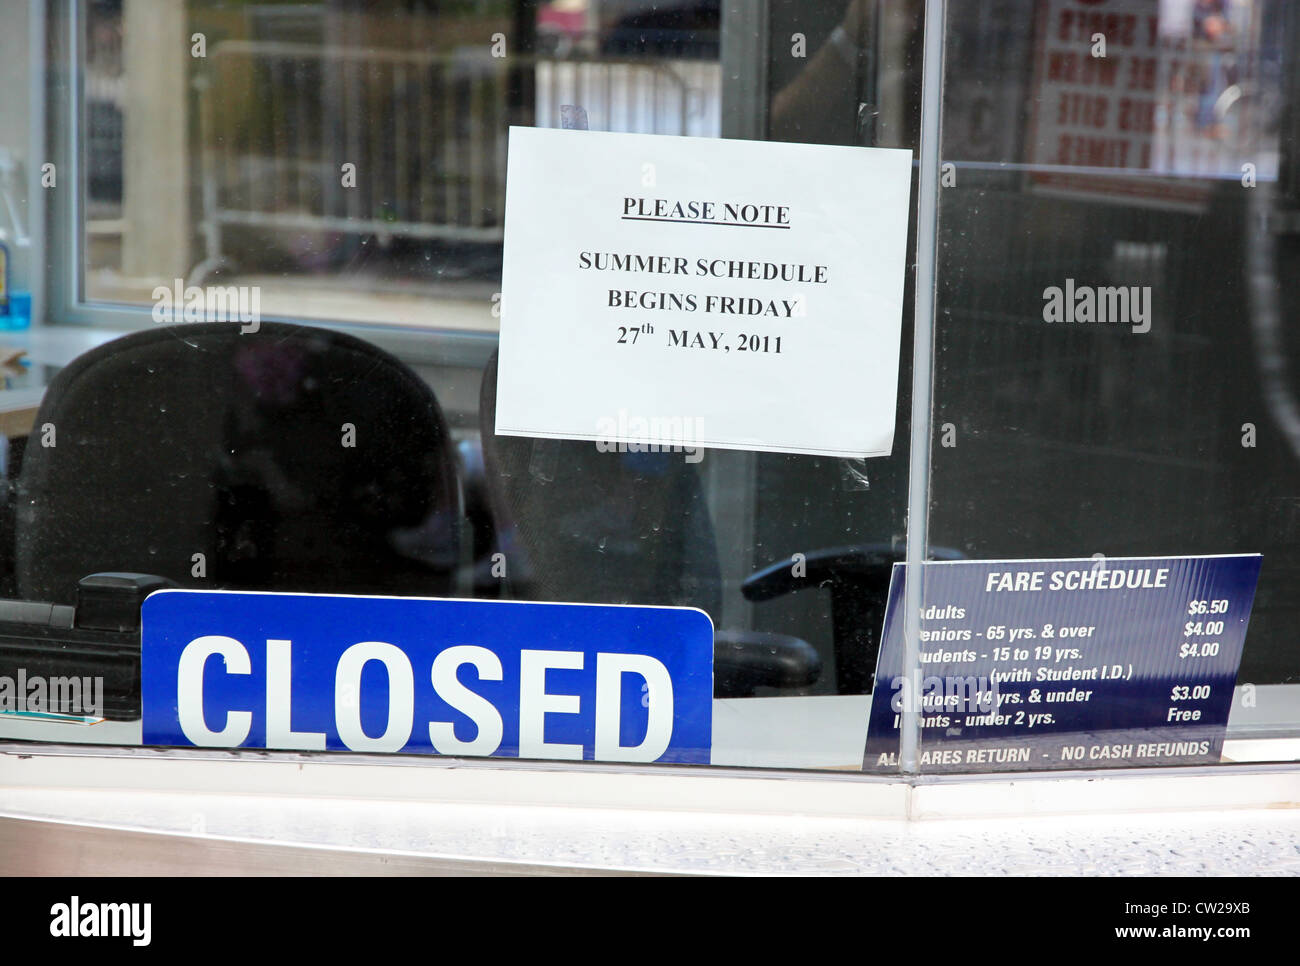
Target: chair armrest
x,y
858,565
858,580
746,660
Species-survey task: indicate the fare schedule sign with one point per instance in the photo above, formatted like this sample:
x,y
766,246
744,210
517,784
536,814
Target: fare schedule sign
x,y
1041,664
673,293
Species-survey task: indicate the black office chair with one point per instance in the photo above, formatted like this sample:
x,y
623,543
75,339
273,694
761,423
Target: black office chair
x,y
289,459
577,524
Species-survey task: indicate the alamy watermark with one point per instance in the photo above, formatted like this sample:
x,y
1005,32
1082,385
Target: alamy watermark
x,y
76,919
1106,305
38,694
216,303
627,433
947,695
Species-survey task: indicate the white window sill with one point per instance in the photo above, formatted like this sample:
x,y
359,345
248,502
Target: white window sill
x,y
134,811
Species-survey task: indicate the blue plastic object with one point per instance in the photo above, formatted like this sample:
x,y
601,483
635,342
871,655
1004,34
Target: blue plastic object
x,y
20,311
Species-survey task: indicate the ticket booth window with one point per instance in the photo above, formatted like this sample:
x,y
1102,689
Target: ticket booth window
x,y
342,166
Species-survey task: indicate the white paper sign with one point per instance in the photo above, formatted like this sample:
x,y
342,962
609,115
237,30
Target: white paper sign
x,y
681,293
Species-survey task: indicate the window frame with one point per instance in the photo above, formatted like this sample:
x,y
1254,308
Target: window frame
x,y
57,121
60,118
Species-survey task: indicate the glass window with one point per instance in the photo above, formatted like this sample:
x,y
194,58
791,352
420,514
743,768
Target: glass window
x,y
341,165
1156,170
344,164
347,160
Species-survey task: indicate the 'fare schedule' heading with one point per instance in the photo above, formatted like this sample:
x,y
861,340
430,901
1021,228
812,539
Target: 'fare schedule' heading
x,y
1089,578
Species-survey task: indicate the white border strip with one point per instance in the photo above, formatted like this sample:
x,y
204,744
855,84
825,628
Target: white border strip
x,y
57,772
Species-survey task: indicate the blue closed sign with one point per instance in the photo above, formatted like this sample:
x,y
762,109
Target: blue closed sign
x,y
423,676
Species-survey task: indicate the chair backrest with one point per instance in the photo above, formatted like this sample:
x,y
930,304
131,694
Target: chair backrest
x,y
290,458
601,527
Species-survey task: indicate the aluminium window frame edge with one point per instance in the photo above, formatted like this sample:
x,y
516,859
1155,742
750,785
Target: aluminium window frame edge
x,y
38,145
918,476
